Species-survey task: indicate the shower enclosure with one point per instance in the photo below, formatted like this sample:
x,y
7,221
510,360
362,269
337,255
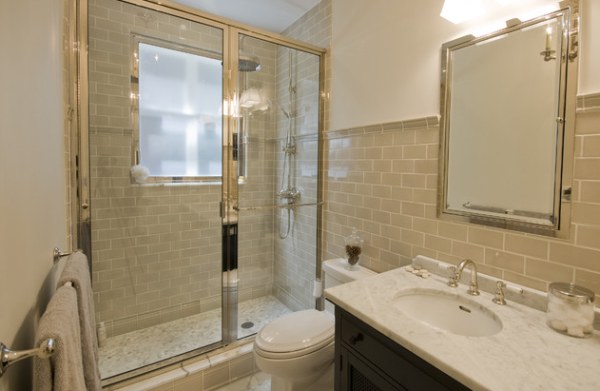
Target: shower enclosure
x,y
200,205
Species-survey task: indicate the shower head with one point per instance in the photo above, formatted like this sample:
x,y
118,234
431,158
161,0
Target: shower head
x,y
248,63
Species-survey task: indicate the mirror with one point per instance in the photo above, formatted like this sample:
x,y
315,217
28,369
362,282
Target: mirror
x,y
508,105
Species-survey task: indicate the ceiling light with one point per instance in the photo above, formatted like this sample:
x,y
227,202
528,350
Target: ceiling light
x,y
458,11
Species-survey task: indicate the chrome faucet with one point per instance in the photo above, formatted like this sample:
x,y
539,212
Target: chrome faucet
x,y
454,278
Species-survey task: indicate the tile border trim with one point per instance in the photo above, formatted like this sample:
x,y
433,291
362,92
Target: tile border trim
x,y
415,123
167,377
588,102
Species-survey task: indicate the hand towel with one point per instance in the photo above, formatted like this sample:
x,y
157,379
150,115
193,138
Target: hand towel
x,y
77,272
63,371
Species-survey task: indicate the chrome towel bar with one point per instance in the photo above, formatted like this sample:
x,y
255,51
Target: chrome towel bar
x,y
8,357
57,254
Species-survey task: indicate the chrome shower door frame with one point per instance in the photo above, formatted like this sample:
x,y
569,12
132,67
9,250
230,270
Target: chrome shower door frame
x,y
229,211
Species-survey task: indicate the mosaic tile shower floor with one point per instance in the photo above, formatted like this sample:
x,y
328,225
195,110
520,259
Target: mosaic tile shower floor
x,y
136,349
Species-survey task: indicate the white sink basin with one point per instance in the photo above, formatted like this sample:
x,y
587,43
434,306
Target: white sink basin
x,y
449,312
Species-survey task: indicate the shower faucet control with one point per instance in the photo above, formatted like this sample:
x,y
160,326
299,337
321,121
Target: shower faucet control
x,y
289,194
289,149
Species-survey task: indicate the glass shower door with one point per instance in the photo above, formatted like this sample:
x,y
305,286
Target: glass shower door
x,y
156,89
276,139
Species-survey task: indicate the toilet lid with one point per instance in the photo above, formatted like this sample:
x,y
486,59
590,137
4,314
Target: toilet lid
x,y
296,331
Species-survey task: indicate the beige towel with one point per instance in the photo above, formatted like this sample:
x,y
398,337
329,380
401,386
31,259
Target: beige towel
x,y
77,272
64,370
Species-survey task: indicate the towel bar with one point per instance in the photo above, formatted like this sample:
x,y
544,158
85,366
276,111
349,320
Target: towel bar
x,y
57,254
8,357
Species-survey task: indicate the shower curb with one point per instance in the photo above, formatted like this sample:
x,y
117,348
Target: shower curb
x,y
206,372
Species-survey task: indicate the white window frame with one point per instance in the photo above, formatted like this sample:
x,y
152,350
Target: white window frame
x,y
153,179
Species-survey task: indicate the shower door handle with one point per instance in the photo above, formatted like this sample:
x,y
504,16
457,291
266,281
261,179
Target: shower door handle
x,y
229,243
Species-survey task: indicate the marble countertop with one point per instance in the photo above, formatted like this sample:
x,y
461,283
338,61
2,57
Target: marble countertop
x,y
525,355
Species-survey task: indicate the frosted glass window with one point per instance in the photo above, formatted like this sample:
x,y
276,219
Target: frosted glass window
x,y
180,97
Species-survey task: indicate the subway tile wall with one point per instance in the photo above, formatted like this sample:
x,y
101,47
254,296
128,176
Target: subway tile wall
x,y
382,179
148,266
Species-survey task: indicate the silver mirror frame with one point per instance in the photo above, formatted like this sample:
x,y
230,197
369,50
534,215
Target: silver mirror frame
x,y
560,225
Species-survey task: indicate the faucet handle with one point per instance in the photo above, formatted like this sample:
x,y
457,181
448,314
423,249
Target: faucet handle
x,y
499,296
452,276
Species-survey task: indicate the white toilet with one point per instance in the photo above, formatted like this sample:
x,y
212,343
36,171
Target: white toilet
x,y
297,349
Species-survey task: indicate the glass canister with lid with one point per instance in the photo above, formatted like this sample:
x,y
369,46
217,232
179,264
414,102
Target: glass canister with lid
x,y
570,309
354,245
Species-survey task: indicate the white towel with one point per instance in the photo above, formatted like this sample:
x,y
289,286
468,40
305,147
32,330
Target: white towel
x,y
77,272
63,371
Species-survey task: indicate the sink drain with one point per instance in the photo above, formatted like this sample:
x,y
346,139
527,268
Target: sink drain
x,y
247,325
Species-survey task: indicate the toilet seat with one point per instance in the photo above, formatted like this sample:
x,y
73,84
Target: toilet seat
x,y
295,334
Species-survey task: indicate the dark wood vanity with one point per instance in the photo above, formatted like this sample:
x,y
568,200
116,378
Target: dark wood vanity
x,y
366,360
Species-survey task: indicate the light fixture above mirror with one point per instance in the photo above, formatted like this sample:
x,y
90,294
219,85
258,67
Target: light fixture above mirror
x,y
460,11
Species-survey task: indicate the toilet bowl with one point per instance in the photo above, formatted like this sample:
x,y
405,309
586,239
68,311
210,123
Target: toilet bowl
x,y
297,349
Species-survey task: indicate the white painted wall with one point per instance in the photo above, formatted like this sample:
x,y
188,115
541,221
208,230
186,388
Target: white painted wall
x,y
32,174
384,65
385,56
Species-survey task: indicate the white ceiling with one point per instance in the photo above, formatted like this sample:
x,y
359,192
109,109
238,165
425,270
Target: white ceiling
x,y
272,15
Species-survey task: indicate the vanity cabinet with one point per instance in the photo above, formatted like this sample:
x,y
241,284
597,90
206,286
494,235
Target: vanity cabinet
x,y
366,360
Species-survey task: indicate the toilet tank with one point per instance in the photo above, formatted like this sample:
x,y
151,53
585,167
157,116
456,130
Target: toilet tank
x,y
337,271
